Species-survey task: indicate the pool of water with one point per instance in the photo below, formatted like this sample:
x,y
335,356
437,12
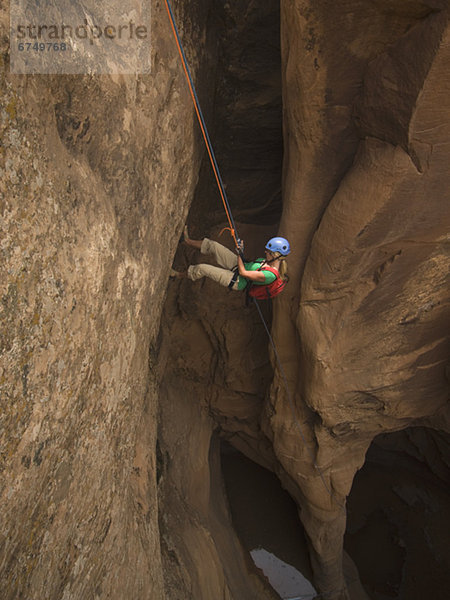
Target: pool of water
x,y
285,579
266,521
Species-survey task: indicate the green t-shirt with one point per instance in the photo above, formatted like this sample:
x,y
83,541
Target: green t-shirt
x,y
254,266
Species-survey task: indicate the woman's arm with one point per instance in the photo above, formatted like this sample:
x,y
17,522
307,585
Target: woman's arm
x,y
252,275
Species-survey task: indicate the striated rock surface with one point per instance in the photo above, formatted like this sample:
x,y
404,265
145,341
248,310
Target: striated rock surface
x,y
368,203
91,210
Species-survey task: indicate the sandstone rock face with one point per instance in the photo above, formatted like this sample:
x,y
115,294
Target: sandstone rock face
x,y
91,210
117,385
367,201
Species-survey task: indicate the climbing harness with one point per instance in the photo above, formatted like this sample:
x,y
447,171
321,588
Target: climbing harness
x,y
234,278
280,244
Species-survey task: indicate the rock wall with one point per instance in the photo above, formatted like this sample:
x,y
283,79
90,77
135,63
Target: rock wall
x,y
97,174
366,203
110,479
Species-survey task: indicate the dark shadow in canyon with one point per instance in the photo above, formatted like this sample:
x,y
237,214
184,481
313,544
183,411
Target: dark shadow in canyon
x,y
245,120
398,511
263,513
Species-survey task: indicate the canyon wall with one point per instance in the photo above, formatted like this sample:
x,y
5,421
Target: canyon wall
x,y
116,384
366,196
97,174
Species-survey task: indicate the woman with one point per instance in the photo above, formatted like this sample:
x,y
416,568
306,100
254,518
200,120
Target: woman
x,y
266,277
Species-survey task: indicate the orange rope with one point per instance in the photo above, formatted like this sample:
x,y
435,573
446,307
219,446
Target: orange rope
x,y
205,137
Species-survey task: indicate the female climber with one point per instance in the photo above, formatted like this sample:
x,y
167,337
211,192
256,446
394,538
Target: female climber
x,y
263,277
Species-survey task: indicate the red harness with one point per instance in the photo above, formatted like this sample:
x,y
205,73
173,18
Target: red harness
x,y
270,290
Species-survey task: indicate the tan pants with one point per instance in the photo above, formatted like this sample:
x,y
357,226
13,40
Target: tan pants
x,y
224,257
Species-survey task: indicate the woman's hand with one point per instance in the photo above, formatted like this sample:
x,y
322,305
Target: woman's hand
x,y
240,248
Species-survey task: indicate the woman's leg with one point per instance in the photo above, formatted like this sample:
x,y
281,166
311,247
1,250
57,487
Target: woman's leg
x,y
194,243
221,276
224,257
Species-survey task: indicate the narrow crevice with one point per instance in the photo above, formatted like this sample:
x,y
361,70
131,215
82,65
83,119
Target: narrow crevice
x,y
246,118
266,521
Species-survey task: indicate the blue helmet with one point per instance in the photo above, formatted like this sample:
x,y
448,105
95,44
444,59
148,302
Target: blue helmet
x,y
278,244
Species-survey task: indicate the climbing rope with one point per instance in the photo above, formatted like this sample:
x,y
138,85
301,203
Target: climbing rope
x,y
234,233
202,123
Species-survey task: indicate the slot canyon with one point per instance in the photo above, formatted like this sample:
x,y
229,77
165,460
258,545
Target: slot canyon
x,y
149,437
